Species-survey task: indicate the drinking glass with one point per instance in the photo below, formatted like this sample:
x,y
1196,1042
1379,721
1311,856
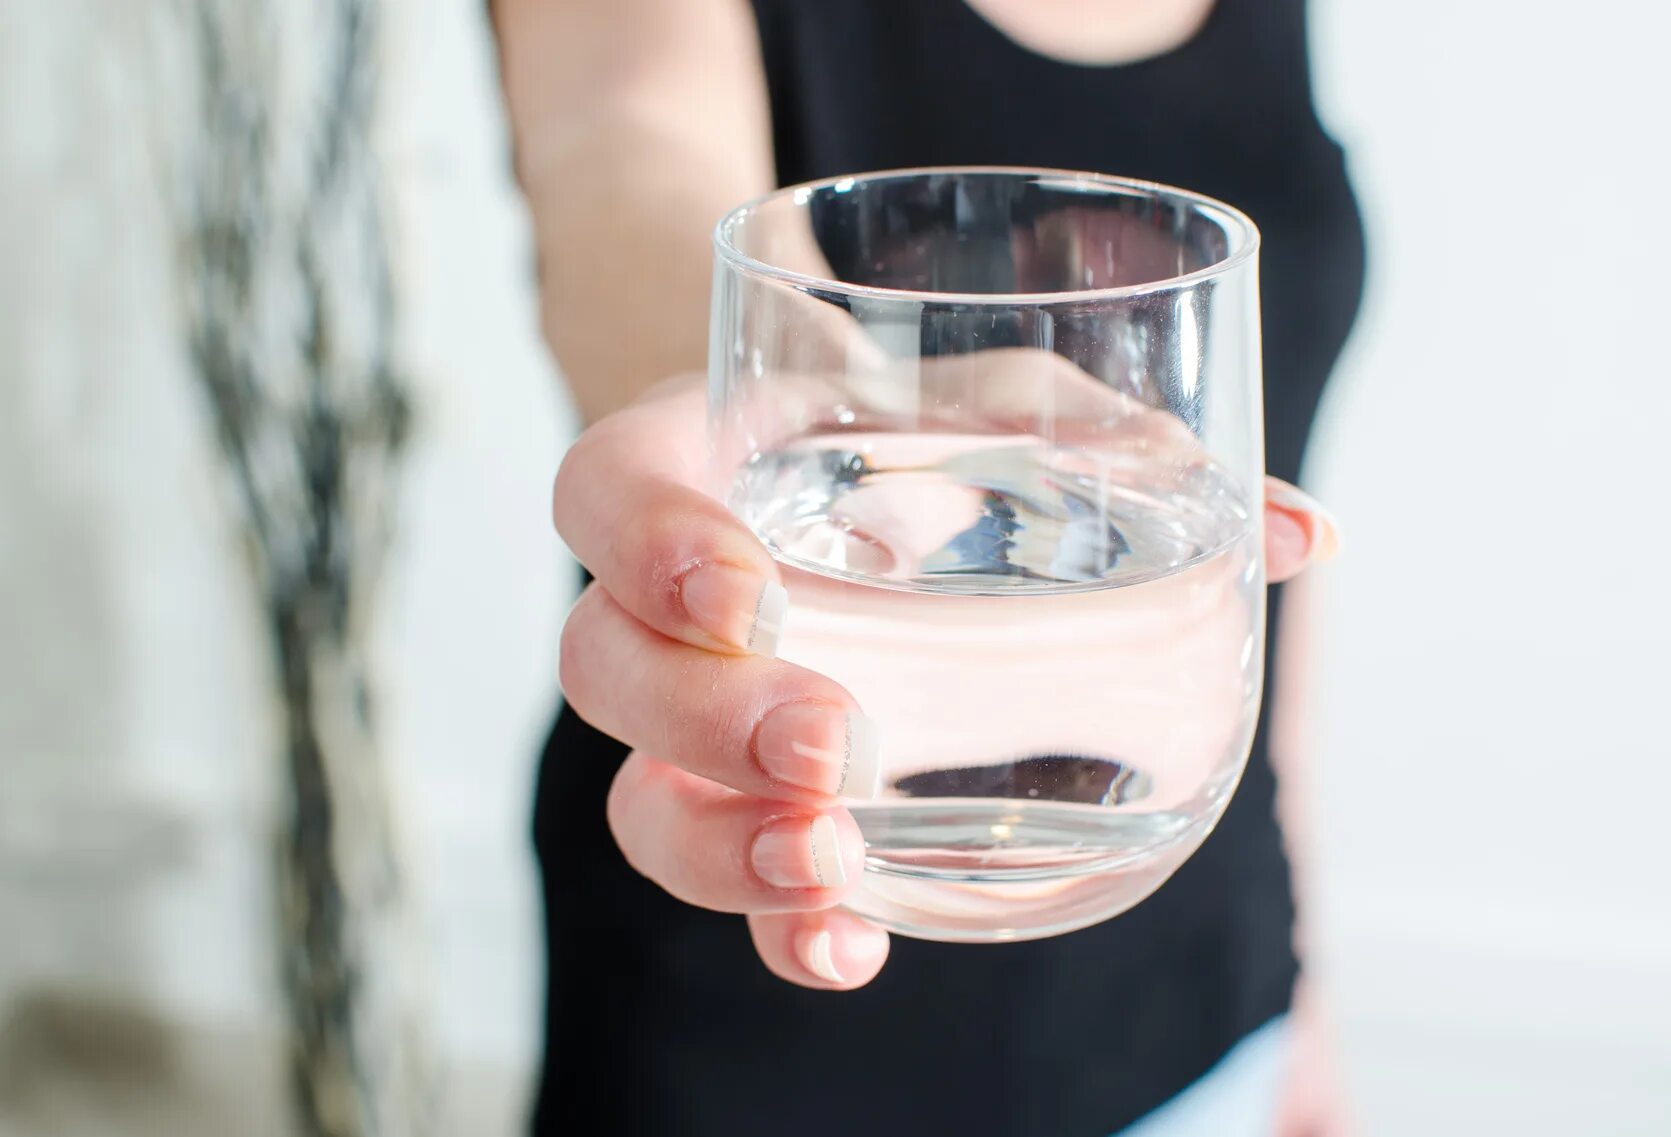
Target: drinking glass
x,y
1002,430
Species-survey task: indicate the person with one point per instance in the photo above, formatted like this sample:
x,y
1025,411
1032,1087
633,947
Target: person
x,y
637,124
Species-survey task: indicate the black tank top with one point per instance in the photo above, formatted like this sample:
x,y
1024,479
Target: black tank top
x,y
661,1020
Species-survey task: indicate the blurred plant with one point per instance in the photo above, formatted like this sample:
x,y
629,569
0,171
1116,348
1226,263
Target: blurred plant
x,y
288,301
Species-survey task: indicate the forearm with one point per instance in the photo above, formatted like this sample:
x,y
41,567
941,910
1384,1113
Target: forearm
x,y
623,227
637,124
1291,748
1312,1102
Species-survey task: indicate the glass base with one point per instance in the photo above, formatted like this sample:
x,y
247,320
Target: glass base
x,y
1037,883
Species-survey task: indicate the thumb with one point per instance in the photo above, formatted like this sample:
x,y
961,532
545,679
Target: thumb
x,y
1298,530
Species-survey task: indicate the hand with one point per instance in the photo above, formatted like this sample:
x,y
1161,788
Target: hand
x,y
730,798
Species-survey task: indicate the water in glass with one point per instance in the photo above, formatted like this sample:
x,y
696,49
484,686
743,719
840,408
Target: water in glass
x,y
1061,644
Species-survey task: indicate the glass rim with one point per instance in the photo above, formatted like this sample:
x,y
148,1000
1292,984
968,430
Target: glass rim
x,y
1239,229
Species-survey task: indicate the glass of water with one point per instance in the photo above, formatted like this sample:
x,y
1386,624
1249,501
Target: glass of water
x,y
1002,430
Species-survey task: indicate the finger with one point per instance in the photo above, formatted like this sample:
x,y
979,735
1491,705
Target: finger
x,y
756,725
732,852
628,503
1299,531
832,950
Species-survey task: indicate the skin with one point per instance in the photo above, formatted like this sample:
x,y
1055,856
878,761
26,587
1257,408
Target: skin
x,y
1100,32
631,140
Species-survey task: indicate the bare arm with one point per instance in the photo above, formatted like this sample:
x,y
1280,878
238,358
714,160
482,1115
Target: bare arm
x,y
1292,698
637,124
1312,1101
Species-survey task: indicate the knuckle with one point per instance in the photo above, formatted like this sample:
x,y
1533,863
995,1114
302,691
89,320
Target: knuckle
x,y
643,793
710,719
625,792
660,549
577,651
578,482
571,473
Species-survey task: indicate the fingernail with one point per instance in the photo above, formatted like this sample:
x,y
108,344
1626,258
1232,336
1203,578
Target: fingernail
x,y
739,607
1322,528
818,955
823,749
800,852
860,950
1287,539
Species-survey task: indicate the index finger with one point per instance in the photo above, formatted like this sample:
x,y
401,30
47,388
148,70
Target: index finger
x,y
628,502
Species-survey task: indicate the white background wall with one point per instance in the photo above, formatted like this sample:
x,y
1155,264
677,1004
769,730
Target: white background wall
x,y
1495,767
480,581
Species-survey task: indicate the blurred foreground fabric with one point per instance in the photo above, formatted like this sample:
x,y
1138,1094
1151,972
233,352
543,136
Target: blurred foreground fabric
x,y
140,776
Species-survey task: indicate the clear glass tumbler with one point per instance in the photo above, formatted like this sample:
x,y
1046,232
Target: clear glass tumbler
x,y
1002,429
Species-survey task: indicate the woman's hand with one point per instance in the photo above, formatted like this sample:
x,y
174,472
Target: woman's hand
x,y
731,797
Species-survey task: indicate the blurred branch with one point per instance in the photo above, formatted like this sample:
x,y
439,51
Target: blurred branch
x,y
288,302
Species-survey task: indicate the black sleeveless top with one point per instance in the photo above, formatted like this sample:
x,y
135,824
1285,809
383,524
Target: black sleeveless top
x,y
661,1020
